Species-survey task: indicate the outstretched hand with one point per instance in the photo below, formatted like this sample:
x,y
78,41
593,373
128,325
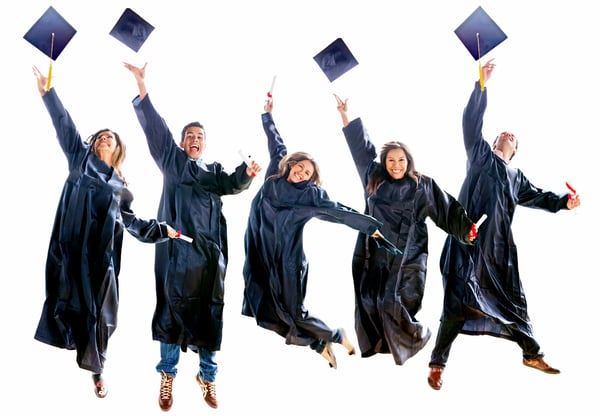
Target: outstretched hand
x,y
41,80
138,73
487,69
342,107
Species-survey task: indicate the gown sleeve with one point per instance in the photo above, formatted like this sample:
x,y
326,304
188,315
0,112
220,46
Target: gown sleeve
x,y
277,149
66,132
146,231
160,139
362,149
444,210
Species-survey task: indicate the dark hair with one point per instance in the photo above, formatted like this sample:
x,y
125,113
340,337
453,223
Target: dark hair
x,y
290,160
192,124
381,174
120,151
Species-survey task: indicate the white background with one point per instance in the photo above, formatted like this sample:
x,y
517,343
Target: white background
x,y
214,62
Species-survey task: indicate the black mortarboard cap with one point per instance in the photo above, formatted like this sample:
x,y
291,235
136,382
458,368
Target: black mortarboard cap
x,y
335,60
490,34
131,29
40,34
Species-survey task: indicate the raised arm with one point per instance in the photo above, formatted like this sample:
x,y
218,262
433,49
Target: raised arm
x,y
276,146
139,74
472,121
342,106
361,148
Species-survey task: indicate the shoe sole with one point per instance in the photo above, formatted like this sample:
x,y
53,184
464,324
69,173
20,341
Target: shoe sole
x,y
548,370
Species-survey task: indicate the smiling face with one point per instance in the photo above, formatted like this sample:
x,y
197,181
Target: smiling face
x,y
396,163
193,142
301,171
105,144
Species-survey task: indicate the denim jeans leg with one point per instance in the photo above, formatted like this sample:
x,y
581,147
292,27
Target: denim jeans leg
x,y
208,365
169,357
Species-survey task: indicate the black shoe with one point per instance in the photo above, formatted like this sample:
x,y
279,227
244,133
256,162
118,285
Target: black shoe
x,y
99,387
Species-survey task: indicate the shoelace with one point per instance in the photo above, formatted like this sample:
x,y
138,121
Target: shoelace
x,y
166,386
208,389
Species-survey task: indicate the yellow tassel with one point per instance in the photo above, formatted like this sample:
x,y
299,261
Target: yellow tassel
x,y
481,81
49,77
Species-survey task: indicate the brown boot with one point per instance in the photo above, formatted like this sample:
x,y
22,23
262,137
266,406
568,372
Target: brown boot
x,y
209,391
165,397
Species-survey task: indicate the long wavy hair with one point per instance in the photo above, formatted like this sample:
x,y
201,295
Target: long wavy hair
x,y
118,156
290,160
380,175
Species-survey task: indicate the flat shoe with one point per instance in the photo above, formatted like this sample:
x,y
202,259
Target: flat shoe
x,y
99,387
346,343
327,353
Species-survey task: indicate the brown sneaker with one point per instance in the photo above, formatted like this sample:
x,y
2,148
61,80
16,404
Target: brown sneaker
x,y
209,391
540,364
165,397
99,387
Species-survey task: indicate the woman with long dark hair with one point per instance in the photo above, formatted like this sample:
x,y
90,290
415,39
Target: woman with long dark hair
x,y
389,289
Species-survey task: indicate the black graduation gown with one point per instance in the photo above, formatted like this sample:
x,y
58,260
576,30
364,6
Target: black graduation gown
x,y
389,289
84,254
276,269
190,278
482,282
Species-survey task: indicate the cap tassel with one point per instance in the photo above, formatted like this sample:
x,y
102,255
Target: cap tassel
x,y
50,67
481,81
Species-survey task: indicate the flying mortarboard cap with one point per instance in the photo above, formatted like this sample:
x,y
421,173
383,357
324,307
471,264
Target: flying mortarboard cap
x,y
41,33
335,60
131,29
479,33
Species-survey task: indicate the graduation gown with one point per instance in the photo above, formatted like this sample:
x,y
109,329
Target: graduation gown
x,y
389,289
482,282
190,278
276,269
84,254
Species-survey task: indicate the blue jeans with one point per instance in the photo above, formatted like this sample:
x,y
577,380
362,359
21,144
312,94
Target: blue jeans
x,y
169,358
